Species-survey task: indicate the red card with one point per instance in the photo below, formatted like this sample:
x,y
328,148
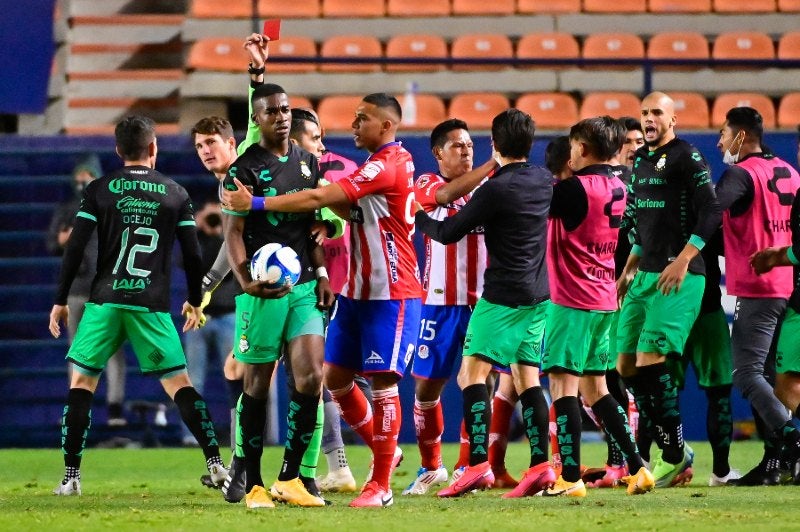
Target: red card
x,y
272,29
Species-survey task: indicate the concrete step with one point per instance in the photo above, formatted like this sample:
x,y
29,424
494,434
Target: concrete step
x,y
103,111
155,83
125,29
100,57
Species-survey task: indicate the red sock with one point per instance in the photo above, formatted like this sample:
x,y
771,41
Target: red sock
x,y
385,428
463,449
553,429
429,426
502,409
355,410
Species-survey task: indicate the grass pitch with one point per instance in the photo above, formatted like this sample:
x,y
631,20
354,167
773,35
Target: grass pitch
x,y
158,489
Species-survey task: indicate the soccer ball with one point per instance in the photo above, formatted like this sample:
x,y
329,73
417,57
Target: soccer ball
x,y
276,264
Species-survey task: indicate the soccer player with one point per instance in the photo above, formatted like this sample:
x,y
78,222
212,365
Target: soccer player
x,y
268,318
452,282
756,194
585,216
512,208
787,354
137,213
674,212
374,327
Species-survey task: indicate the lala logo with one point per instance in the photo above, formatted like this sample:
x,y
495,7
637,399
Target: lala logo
x,y
369,171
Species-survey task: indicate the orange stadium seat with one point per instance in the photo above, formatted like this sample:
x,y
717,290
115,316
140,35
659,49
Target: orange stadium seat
x,y
336,113
284,9
342,46
425,46
615,104
300,102
789,110
555,45
418,8
617,6
613,46
678,45
478,109
348,8
679,6
691,109
550,110
743,45
725,102
483,7
221,54
789,45
545,6
221,8
789,5
481,45
292,47
744,6
430,112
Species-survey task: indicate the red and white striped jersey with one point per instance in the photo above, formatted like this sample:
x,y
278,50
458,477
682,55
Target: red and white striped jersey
x,y
383,262
453,273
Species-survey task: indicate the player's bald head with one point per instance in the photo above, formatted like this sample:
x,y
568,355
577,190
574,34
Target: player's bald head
x,y
659,100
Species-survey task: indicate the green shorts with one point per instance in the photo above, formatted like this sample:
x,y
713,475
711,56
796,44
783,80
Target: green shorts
x,y
103,328
650,322
787,356
577,340
709,351
263,326
505,335
612,341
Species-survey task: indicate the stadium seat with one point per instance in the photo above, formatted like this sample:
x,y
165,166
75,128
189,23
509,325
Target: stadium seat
x,y
678,45
789,110
743,45
550,110
336,113
613,46
727,101
418,8
481,45
221,8
789,45
284,9
341,46
525,7
425,46
350,9
292,47
744,6
430,112
789,5
483,7
478,109
615,104
221,54
300,102
554,45
617,6
679,6
691,108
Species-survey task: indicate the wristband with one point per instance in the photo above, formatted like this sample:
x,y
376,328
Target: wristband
x,y
322,272
257,203
255,71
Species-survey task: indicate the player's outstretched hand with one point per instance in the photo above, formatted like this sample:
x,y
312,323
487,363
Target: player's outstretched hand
x,y
58,314
319,232
325,295
257,46
193,317
265,290
672,276
239,200
186,310
766,259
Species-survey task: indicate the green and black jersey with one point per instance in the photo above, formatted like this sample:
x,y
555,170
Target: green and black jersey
x,y
671,202
269,175
138,212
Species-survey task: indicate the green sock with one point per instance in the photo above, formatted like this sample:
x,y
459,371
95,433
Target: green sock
x,y
308,465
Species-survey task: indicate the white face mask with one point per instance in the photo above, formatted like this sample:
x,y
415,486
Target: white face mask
x,y
727,157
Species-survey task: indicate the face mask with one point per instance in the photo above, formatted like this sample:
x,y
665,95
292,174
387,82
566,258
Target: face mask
x,y
79,187
727,157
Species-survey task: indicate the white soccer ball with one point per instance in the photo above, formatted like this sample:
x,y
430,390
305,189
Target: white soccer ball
x,y
275,264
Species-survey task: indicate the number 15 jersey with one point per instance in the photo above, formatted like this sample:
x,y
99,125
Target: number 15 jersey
x,y
138,212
